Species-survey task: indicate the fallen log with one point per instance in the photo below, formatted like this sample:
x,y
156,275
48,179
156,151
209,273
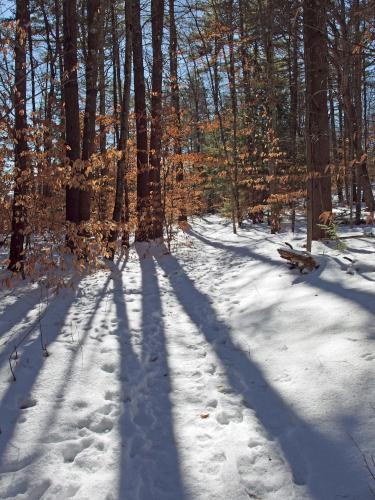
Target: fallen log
x,y
297,258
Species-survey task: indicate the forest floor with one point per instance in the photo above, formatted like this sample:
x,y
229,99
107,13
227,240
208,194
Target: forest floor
x,y
212,373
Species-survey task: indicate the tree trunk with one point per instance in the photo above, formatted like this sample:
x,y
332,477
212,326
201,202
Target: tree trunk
x,y
103,194
317,130
293,117
72,127
60,57
234,106
46,170
293,87
271,103
22,173
143,187
88,140
115,71
157,18
362,176
339,185
121,182
175,102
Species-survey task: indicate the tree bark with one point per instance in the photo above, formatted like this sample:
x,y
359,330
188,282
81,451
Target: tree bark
x,y
72,127
121,181
88,140
103,194
143,187
317,130
115,72
22,173
46,172
362,176
175,102
271,104
157,20
234,105
334,155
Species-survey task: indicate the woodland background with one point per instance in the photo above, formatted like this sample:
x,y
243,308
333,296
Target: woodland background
x,y
128,117
202,368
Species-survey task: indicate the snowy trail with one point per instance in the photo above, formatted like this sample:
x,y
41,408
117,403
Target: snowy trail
x,y
213,373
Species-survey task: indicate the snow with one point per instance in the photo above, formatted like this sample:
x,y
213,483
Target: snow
x,y
214,372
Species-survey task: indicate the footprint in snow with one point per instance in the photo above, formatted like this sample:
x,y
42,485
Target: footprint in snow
x,y
108,367
204,437
253,442
283,348
225,417
24,489
202,354
136,446
79,404
107,349
71,450
211,468
98,338
218,457
368,356
96,423
26,403
22,419
112,395
283,378
245,463
211,369
212,403
143,418
106,409
63,491
225,389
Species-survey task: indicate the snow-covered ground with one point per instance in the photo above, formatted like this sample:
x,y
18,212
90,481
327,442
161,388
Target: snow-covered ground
x,y
212,373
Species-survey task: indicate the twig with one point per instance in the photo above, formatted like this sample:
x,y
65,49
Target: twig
x,y
42,343
22,340
2,242
370,469
10,363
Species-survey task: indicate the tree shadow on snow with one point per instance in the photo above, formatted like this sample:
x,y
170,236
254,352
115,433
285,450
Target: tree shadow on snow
x,y
324,464
364,299
149,468
19,395
17,311
76,346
